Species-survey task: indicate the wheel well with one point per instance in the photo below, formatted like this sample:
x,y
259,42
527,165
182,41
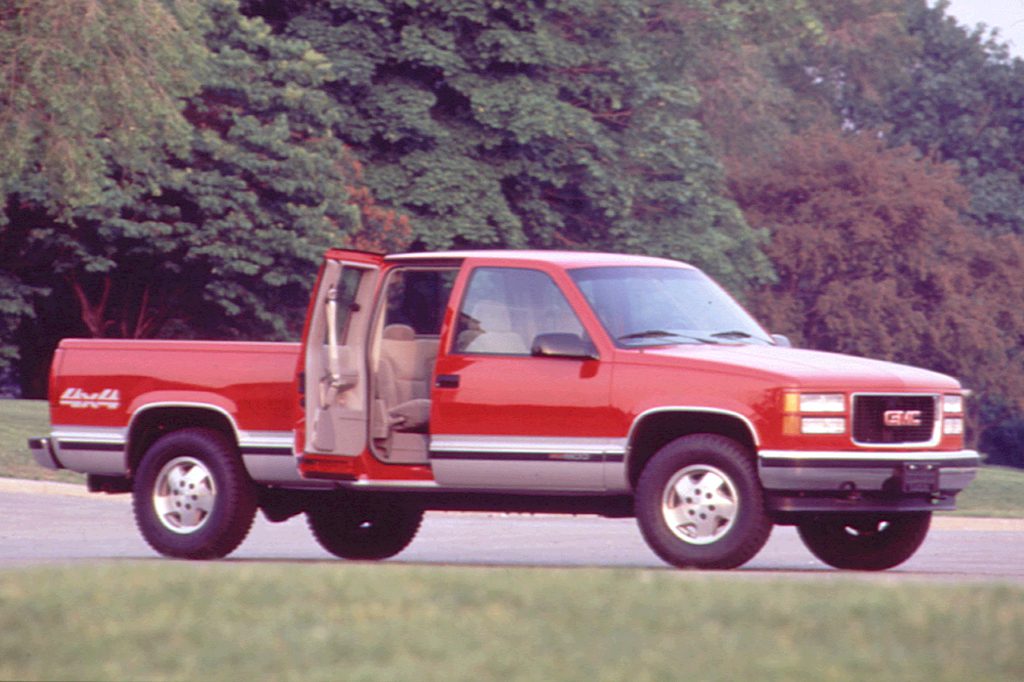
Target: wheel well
x,y
152,424
657,430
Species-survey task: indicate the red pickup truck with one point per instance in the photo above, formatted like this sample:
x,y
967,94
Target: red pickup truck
x,y
518,381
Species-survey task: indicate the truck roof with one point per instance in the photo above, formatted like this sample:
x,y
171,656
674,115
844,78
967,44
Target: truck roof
x,y
566,259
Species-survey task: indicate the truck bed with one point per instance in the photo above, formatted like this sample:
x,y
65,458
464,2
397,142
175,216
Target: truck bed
x,y
101,389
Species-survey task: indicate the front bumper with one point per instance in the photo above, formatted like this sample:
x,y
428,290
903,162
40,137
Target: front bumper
x,y
798,481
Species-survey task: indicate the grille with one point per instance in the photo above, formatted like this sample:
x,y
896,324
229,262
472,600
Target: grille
x,y
870,428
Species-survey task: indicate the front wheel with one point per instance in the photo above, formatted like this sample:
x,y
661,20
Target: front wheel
x,y
192,497
356,527
699,503
866,542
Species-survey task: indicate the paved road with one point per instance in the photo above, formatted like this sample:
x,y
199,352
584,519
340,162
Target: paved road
x,y
41,523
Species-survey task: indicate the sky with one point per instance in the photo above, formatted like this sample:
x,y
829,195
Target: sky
x,y
1006,15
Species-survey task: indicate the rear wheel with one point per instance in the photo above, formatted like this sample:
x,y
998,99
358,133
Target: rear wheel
x,y
192,497
699,503
364,528
866,542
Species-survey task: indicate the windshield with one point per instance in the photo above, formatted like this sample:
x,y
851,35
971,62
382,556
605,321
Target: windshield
x,y
649,306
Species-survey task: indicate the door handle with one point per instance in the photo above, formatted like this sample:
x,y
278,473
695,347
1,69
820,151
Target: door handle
x,y
447,381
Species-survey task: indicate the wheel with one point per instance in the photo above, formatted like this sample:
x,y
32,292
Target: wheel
x,y
353,527
699,503
867,542
192,496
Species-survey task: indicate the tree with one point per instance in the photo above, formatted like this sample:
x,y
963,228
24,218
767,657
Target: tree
x,y
82,82
873,259
515,123
956,96
220,236
773,68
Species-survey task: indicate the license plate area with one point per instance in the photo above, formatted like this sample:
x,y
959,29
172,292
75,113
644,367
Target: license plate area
x,y
919,477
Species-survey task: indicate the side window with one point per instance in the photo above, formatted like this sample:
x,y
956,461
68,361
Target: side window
x,y
417,298
347,289
505,309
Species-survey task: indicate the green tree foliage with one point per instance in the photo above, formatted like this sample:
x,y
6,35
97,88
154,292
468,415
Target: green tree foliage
x,y
1004,442
82,82
781,66
748,100
515,123
955,94
873,259
217,236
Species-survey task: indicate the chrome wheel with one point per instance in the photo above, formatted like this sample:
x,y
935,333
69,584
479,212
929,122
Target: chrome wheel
x,y
700,504
184,495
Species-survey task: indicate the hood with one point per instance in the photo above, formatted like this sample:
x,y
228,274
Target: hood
x,y
799,368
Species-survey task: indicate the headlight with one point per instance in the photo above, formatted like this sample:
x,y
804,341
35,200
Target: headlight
x,y
823,425
953,427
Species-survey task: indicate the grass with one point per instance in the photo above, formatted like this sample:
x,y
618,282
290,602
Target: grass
x,y
172,620
997,492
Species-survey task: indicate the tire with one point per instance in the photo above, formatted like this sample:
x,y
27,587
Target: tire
x,y
353,527
699,503
866,542
192,497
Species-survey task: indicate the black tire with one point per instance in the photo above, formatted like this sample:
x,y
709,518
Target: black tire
x,y
699,503
192,496
365,528
865,542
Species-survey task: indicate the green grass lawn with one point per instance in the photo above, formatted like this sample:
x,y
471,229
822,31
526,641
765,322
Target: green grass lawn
x,y
331,621
998,491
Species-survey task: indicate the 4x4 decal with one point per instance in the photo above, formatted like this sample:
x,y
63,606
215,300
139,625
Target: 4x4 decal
x,y
76,398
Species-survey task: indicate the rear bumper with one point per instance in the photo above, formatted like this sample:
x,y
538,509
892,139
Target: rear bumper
x,y
42,451
865,481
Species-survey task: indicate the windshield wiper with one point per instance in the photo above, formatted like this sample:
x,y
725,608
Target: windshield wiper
x,y
649,334
661,334
736,334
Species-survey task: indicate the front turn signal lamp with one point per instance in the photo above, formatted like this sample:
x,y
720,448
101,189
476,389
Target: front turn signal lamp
x,y
813,403
796,405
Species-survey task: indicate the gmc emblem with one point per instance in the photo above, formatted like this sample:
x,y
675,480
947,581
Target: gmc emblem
x,y
902,417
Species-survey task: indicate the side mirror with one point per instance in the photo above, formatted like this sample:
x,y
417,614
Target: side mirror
x,y
563,346
782,340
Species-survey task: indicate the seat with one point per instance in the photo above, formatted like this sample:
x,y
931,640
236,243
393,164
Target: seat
x,y
495,331
403,377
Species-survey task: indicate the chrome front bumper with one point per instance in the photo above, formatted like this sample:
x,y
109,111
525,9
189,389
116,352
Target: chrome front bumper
x,y
865,480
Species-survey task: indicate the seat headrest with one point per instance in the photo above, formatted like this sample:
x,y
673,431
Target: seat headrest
x,y
492,316
399,332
